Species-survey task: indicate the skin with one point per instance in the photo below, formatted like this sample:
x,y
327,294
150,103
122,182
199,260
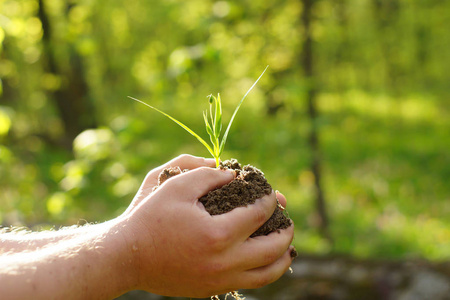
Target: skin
x,y
149,246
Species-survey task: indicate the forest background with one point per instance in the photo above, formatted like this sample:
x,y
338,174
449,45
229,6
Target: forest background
x,y
351,120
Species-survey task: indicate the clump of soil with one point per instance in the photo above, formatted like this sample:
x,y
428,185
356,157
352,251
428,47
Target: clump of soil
x,y
248,186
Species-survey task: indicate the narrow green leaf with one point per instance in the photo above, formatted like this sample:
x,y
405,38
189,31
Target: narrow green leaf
x,y
209,129
180,124
211,104
225,136
218,117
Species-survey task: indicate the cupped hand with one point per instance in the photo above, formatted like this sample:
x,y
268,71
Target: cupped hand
x,y
179,249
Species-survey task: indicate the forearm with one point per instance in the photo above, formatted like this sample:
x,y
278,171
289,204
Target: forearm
x,y
18,240
94,265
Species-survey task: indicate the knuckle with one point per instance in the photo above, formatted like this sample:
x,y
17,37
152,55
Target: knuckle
x,y
184,157
203,170
260,215
207,170
149,174
207,174
181,159
216,239
175,184
270,256
213,268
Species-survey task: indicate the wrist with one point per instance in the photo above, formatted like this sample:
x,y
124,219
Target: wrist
x,y
122,254
137,252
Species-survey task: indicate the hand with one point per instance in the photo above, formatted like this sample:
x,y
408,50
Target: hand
x,y
37,240
183,161
181,250
165,243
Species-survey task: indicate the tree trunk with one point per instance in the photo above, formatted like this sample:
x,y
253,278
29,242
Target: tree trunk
x,y
71,99
308,67
387,13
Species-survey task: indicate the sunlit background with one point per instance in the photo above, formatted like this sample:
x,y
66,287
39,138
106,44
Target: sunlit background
x,y
74,147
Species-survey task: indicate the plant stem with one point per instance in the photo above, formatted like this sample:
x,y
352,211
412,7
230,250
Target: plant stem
x,y
217,162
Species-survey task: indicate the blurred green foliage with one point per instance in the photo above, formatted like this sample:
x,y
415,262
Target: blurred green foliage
x,y
382,70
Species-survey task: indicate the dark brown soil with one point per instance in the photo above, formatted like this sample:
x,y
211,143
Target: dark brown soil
x,y
248,186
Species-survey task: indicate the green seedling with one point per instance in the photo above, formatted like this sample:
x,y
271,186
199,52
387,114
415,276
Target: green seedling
x,y
213,122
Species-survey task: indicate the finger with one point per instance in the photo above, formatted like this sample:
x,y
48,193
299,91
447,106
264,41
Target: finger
x,y
262,276
264,250
196,183
281,200
241,222
184,161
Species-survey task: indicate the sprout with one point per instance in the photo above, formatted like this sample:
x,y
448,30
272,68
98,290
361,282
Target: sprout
x,y
213,122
